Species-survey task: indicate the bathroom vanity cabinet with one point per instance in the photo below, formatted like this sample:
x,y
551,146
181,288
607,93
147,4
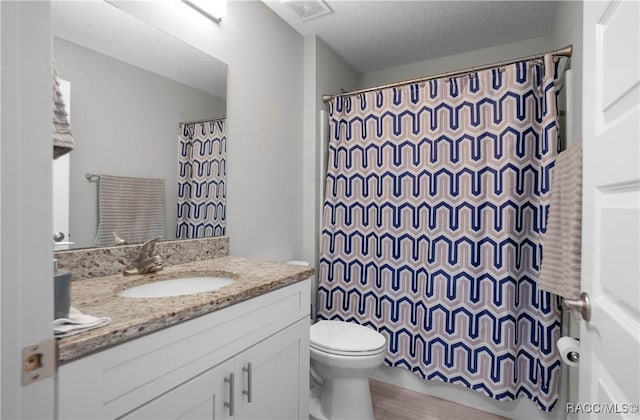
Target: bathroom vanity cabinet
x,y
247,361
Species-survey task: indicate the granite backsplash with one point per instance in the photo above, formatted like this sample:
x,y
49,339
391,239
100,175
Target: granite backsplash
x,y
99,262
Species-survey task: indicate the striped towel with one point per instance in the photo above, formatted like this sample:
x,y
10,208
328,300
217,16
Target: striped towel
x,y
130,208
62,137
560,270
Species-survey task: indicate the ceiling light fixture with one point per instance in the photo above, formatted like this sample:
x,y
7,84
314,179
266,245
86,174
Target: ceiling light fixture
x,y
213,9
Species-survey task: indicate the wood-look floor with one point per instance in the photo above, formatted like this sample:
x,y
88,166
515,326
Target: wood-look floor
x,y
394,403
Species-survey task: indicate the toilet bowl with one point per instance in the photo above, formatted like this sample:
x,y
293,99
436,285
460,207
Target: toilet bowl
x,y
343,356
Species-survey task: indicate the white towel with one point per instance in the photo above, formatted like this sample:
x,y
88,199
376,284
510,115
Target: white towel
x,y
131,208
560,270
77,322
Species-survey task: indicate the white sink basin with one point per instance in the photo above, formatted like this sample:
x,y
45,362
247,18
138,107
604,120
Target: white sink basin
x,y
177,287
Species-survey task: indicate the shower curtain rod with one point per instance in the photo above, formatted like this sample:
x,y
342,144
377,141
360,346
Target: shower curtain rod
x,y
562,52
204,121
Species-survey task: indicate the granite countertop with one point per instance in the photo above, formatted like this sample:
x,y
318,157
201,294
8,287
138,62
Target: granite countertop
x,y
134,317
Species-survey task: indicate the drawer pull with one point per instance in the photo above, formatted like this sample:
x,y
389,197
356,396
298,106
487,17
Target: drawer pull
x,y
249,370
230,380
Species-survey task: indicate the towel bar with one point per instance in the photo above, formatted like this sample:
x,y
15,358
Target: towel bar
x,y
92,177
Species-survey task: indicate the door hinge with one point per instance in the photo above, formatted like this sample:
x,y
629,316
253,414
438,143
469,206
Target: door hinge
x,y
39,361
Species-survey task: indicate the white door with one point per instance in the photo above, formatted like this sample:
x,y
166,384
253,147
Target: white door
x,y
610,342
25,217
270,372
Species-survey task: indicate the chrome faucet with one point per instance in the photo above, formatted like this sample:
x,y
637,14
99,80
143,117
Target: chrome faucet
x,y
148,261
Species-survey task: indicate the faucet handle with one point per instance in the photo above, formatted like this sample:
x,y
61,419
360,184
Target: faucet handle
x,y
149,248
152,242
148,261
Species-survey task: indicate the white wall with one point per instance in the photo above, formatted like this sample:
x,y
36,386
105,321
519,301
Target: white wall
x,y
456,62
568,30
264,117
125,123
324,72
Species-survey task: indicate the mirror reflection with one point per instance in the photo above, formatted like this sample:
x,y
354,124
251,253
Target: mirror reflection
x,y
147,113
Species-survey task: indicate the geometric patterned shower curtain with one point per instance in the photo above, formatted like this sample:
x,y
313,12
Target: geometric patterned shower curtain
x,y
202,172
436,200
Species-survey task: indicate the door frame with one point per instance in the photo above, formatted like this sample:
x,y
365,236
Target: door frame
x,y
26,246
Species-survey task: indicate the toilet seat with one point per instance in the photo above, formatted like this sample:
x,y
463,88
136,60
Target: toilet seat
x,y
346,339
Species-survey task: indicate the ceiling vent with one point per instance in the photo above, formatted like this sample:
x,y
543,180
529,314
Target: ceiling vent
x,y
307,10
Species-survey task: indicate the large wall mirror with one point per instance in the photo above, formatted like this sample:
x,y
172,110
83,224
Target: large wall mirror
x,y
131,85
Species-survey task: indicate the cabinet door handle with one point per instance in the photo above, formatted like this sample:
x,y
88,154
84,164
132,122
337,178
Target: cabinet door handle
x,y
249,370
231,381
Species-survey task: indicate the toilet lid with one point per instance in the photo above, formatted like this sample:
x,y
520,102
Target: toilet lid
x,y
345,337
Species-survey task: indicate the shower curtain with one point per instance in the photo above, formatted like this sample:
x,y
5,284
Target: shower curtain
x,y
436,200
202,172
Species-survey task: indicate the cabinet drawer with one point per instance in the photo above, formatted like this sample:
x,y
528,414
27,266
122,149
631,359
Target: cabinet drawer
x,y
127,376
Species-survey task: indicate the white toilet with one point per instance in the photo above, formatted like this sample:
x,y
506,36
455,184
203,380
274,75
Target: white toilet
x,y
343,356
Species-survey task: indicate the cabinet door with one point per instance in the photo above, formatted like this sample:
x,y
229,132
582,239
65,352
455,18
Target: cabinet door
x,y
277,377
202,397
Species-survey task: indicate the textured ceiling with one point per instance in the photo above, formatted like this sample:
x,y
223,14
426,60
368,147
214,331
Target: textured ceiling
x,y
372,35
108,30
